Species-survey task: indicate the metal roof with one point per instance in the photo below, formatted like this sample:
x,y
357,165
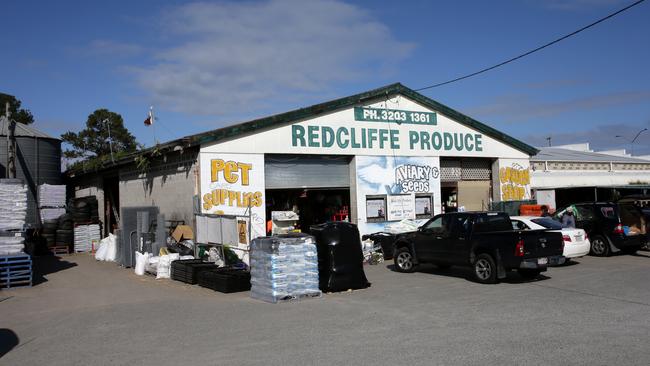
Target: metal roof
x,y
559,154
313,111
22,130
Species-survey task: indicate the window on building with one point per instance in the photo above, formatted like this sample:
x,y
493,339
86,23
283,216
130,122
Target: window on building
x,y
423,206
376,208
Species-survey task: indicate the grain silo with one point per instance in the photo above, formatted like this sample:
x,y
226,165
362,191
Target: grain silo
x,y
38,161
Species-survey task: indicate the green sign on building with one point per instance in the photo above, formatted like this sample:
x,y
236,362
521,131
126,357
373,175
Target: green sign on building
x,y
394,115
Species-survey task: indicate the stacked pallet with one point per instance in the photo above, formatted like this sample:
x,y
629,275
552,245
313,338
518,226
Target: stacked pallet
x,y
85,236
13,212
13,204
284,267
15,271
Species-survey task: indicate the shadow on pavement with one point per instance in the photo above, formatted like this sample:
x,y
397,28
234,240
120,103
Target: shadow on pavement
x,y
465,273
45,265
8,340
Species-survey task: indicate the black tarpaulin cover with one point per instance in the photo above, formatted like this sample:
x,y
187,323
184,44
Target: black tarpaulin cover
x,y
340,259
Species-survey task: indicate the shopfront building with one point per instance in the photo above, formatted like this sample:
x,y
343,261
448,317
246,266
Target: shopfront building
x,y
374,159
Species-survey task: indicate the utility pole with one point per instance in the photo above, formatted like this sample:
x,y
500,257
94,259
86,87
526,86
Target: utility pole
x,y
549,141
11,143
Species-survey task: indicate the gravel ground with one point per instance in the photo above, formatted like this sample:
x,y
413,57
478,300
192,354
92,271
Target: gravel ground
x,y
82,312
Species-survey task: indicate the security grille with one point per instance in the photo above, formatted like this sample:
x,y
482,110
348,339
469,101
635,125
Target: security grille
x,y
476,170
450,170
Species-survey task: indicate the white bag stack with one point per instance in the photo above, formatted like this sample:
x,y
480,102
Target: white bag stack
x,y
284,267
84,235
13,204
51,201
51,214
11,243
50,195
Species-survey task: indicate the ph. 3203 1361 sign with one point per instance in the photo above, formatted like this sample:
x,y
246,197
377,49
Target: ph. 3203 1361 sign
x,y
394,115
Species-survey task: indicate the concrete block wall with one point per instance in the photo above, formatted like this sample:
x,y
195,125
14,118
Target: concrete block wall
x,y
168,184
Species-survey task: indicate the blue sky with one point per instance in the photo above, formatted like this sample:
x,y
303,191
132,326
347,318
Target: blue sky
x,y
210,64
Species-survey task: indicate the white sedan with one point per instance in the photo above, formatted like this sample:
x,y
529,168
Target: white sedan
x,y
576,242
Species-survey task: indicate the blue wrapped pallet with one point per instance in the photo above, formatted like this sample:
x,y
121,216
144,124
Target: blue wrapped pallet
x,y
15,271
284,267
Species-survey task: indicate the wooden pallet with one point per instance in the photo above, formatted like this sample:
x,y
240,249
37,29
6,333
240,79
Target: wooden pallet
x,y
15,271
61,249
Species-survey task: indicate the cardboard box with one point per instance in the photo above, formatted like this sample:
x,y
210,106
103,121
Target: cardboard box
x,y
183,232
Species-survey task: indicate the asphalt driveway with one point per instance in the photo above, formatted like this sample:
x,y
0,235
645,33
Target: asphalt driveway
x,y
82,312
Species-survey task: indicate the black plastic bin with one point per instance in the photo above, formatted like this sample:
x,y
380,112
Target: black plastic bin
x,y
340,258
188,270
385,240
226,280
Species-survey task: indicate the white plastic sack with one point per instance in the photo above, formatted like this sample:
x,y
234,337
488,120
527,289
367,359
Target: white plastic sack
x,y
140,262
152,265
164,266
100,254
111,249
107,250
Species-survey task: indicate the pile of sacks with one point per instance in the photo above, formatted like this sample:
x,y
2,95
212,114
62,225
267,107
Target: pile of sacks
x,y
13,204
284,267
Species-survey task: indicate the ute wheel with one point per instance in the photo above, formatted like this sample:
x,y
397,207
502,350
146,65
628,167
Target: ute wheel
x,y
631,250
600,246
485,269
404,260
529,274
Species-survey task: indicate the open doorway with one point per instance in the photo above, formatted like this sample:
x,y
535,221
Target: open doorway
x,y
313,206
111,204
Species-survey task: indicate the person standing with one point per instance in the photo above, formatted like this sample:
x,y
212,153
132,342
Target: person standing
x,y
568,219
545,211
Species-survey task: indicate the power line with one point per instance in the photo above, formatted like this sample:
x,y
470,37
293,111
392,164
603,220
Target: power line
x,y
534,50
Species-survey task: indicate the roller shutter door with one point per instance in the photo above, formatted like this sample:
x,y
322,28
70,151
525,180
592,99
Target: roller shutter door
x,y
306,171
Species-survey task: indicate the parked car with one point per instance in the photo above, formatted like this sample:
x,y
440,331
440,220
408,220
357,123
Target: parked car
x,y
485,241
611,227
576,241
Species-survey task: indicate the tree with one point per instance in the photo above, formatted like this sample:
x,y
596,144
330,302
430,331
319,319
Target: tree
x,y
94,141
17,114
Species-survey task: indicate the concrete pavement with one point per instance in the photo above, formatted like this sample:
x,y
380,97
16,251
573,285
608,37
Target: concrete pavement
x,y
93,313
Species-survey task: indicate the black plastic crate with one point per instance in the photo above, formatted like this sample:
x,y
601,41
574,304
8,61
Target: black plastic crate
x,y
188,270
226,280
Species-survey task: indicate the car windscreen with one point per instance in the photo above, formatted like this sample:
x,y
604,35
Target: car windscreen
x,y
548,223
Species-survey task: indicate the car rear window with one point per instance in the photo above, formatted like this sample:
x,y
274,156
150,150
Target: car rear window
x,y
492,222
608,211
548,223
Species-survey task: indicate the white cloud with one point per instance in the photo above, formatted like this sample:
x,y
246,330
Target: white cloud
x,y
231,57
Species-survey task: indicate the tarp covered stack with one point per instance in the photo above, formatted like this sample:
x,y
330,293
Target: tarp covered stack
x,y
284,267
340,258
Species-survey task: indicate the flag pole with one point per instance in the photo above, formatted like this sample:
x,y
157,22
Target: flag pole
x,y
153,124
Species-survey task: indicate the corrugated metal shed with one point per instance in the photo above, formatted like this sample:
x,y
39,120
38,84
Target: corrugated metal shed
x,y
23,130
559,154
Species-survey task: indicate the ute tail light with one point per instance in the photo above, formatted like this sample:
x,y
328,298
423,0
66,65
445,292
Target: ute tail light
x,y
619,229
566,238
519,249
586,236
